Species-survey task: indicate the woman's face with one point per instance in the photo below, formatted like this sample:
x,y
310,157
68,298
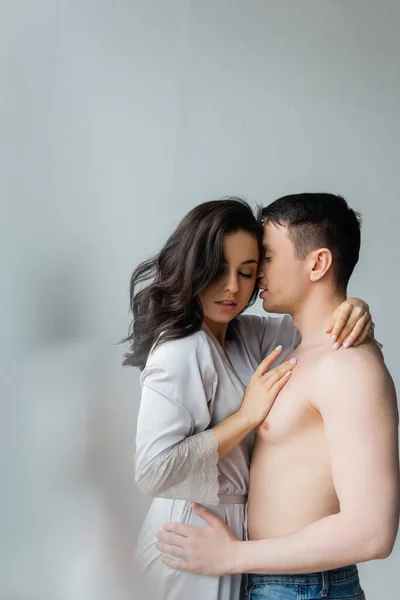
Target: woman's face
x,y
228,295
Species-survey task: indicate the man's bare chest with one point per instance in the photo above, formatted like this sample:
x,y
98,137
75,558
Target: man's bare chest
x,y
293,415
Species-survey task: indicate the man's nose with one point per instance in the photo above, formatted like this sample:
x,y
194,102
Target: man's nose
x,y
261,270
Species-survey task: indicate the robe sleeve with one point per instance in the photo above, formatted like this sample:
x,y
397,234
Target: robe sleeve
x,y
176,452
275,331
372,336
269,332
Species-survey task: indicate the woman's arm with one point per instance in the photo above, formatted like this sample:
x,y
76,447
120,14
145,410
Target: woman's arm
x,y
349,325
260,395
174,459
176,452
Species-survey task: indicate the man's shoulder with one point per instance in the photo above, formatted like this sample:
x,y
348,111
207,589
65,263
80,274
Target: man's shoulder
x,y
353,374
352,361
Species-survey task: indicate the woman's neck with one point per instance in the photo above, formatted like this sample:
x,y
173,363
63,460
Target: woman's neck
x,y
218,330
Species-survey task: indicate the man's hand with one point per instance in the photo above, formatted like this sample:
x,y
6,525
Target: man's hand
x,y
204,550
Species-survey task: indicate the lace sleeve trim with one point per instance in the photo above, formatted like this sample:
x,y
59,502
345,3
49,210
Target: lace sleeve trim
x,y
187,471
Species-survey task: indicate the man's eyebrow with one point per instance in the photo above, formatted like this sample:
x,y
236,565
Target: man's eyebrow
x,y
267,247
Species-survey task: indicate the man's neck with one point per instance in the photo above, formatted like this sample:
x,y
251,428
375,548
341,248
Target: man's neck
x,y
313,317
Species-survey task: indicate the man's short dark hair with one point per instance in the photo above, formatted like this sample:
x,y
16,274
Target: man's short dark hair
x,y
320,220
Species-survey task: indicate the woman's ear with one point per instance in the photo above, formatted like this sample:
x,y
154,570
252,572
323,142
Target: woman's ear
x,y
320,263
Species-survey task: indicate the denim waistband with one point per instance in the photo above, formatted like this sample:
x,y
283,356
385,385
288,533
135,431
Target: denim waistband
x,y
335,575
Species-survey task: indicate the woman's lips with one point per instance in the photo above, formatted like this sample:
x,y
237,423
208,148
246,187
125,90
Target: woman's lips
x,y
226,306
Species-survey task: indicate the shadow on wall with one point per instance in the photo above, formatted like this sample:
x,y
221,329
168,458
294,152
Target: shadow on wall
x,y
70,503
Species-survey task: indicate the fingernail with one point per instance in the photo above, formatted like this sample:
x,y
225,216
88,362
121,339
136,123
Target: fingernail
x,y
356,343
288,373
293,361
336,346
334,338
346,345
278,348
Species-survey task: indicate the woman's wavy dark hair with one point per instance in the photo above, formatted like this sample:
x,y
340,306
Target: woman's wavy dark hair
x,y
191,259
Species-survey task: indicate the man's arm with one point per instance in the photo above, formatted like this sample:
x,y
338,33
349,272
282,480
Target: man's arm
x,y
357,402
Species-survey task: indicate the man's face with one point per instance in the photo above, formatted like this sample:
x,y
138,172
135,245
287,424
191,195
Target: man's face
x,y
282,275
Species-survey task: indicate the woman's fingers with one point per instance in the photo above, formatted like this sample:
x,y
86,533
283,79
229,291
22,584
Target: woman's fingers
x,y
277,377
267,362
364,334
272,376
350,318
258,398
363,324
274,384
276,388
341,317
330,326
354,318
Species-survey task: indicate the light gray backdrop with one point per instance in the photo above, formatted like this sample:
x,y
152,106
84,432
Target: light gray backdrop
x,y
117,118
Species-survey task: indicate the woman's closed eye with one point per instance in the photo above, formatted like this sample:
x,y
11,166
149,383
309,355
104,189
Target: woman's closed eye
x,y
247,275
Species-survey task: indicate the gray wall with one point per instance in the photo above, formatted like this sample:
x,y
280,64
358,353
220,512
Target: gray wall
x,y
117,118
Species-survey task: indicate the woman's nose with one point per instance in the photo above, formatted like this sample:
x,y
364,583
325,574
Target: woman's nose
x,y
232,284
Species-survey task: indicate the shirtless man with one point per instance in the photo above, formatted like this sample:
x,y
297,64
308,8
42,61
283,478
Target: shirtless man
x,y
324,480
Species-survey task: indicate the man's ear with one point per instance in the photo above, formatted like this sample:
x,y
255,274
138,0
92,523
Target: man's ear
x,y
320,263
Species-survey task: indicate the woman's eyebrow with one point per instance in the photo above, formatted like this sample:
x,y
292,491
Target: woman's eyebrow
x,y
251,261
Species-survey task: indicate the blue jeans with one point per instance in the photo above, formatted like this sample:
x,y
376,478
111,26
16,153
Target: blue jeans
x,y
338,584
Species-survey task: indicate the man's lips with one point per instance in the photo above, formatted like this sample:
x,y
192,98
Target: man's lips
x,y
261,295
